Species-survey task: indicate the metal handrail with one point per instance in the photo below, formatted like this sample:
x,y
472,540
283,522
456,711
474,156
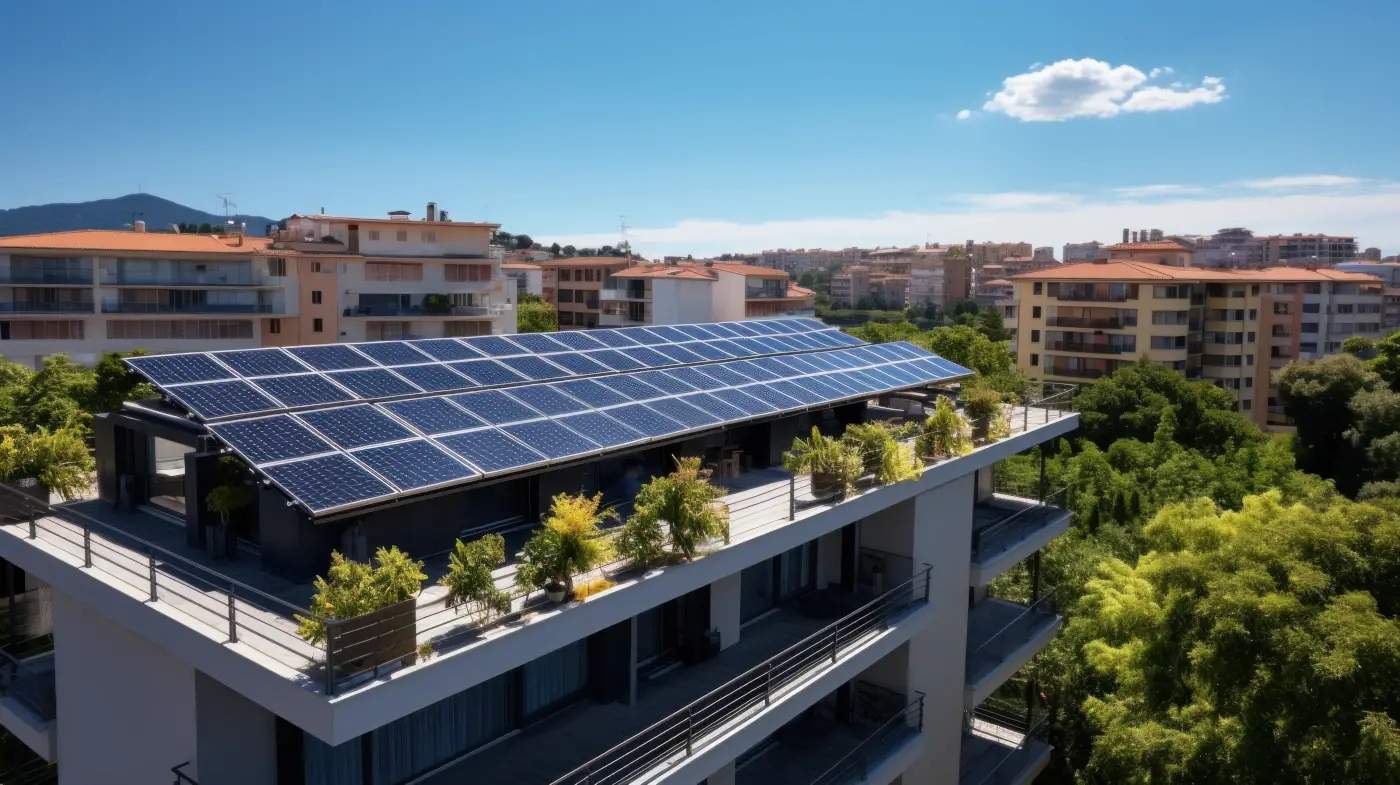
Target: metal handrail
x,y
979,536
34,690
681,729
1037,607
181,778
855,765
1032,734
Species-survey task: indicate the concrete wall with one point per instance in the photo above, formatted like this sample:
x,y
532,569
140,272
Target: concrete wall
x,y
728,294
126,708
237,742
724,608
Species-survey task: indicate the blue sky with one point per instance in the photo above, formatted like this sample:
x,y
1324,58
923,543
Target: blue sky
x,y
723,125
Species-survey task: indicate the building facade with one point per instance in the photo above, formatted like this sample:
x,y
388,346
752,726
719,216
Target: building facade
x,y
1084,252
1084,321
526,277
1303,250
686,293
574,285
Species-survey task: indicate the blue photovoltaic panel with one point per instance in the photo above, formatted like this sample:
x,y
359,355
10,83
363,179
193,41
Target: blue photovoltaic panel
x,y
490,450
801,364
600,429
494,407
887,351
820,361
901,374
327,482
612,338
830,380
305,389
260,362
433,415
715,406
840,360
446,349
819,388
580,364
486,373
580,341
668,333
908,350
591,393
793,390
742,330
856,380
733,348
772,397
550,438
373,383
221,399
802,340
616,360
784,342
680,354
704,349
392,353
434,378
720,331
919,372
767,345
777,367
664,381
641,335
695,378
728,376
823,340
626,385
745,402
837,337
951,368
694,332
493,345
762,327
539,343
880,377
545,399
648,421
179,368
785,326
266,439
684,413
648,356
535,368
415,464
331,357
752,370
355,426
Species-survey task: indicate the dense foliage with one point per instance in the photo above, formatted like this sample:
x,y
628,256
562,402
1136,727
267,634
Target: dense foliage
x,y
63,394
1347,416
534,315
980,345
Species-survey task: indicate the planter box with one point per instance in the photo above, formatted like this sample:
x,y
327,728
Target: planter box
x,y
377,638
826,486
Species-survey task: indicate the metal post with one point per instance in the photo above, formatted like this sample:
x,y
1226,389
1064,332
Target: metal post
x,y
34,526
330,657
151,562
1026,417
1041,450
232,623
1035,577
87,547
689,732
768,685
835,642
792,497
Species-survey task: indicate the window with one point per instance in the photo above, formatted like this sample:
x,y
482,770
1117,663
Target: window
x,y
563,275
1035,358
588,275
467,272
566,295
1254,290
1249,359
316,267
1309,348
1312,307
1309,327
374,234
277,268
1168,342
1312,288
401,236
1035,312
393,271
1171,292
1346,308
53,330
430,237
274,326
205,329
316,297
318,325
1246,404
1036,289
1253,314
566,318
1368,308
1169,317
1249,381
1035,336
1283,309
1332,347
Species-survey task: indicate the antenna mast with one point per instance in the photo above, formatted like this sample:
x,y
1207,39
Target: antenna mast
x,y
622,242
227,202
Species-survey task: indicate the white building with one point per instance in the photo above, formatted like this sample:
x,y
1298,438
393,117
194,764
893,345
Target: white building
x,y
527,278
690,292
822,640
1084,252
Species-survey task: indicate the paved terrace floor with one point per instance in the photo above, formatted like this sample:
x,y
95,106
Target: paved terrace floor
x,y
1004,627
1000,508
758,503
807,749
991,755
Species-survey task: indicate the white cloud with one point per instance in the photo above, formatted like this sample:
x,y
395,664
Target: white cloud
x,y
1016,200
1163,189
1368,214
1301,181
964,114
1093,88
1156,72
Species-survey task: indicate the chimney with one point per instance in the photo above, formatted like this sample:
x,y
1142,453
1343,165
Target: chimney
x,y
1135,235
442,216
432,212
138,226
1142,235
1125,235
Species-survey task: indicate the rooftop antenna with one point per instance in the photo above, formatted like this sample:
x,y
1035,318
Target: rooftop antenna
x,y
227,202
622,243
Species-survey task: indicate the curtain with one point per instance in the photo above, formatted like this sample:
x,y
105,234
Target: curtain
x,y
555,677
342,764
651,633
756,590
438,733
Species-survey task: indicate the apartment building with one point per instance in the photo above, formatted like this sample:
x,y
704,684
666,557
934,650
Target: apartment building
x,y
1389,273
857,283
1084,321
796,262
690,292
824,639
1306,250
526,277
939,277
1083,252
574,285
993,253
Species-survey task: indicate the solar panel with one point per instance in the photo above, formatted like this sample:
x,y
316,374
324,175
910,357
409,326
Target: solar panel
x,y
694,332
822,390
818,361
260,362
801,340
771,396
591,392
580,364
179,368
545,399
762,345
535,368
266,439
716,406
581,341
681,354
726,375
777,367
784,342
762,327
630,387
373,383
741,329
327,482
490,450
434,378
648,356
830,380
221,399
704,349
903,375
415,464
684,413
744,402
486,373
494,406
304,389
733,348
801,364
838,338
331,357
667,333
392,353
854,379
355,426
433,415
752,370
793,390
664,381
840,360
647,421
640,335
781,326
613,338
600,429
446,349
695,378
550,438
538,343
616,360
718,330
493,346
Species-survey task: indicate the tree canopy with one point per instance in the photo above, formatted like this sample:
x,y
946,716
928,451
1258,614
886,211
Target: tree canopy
x,y
1130,403
1335,429
534,315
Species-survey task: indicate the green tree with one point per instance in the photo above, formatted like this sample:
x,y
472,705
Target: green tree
x,y
524,242
1359,346
555,249
1130,404
114,383
55,396
1317,395
535,316
569,250
1387,362
990,324
886,332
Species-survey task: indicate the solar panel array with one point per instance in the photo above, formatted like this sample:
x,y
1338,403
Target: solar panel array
x,y
220,385
375,443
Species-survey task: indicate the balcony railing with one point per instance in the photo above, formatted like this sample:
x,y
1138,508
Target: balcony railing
x,y
1015,736
675,738
624,294
420,311
1089,348
986,541
1095,324
1093,297
1025,622
189,308
74,277
873,751
222,279
19,306
36,772
30,682
181,778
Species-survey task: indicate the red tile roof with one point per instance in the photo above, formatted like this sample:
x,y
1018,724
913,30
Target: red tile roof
x,y
128,241
1126,270
1152,245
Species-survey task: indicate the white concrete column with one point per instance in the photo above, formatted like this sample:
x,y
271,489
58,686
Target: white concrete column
x,y
724,608
237,738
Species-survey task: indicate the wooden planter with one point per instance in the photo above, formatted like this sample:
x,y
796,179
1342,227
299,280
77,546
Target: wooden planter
x,y
981,430
378,637
825,485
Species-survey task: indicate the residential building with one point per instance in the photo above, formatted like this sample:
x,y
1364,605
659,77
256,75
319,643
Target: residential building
x,y
686,293
939,277
989,293
1231,248
1389,273
1372,254
823,639
1307,250
1084,252
1164,252
857,283
1083,321
992,253
526,277
573,284
796,262
1045,255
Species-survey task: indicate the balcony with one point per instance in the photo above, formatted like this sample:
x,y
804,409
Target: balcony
x,y
1093,297
1002,745
199,280
1093,324
28,703
1002,637
1088,348
1077,373
419,312
1006,530
625,293
46,277
191,308
51,306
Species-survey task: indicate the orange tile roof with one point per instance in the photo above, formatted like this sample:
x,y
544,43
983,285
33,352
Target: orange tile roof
x,y
1152,245
1125,270
519,266
404,220
120,240
570,261
750,271
665,271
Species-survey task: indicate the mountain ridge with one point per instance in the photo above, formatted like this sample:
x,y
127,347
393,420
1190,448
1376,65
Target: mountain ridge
x,y
117,213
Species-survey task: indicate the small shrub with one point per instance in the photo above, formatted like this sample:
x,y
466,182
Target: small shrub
x,y
831,462
569,543
425,650
980,404
642,541
352,588
687,503
881,455
58,459
591,588
469,582
944,433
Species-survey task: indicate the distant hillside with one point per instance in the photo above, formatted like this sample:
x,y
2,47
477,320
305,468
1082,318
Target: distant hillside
x,y
158,214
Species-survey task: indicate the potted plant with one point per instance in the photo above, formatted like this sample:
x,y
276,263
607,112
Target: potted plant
x,y
944,433
436,304
1000,427
689,507
228,498
469,581
833,464
569,543
45,461
379,598
980,405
